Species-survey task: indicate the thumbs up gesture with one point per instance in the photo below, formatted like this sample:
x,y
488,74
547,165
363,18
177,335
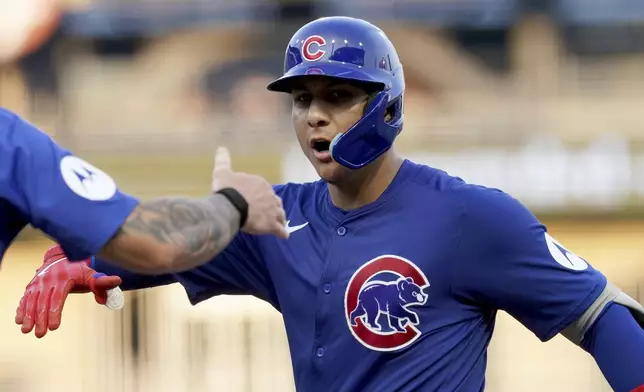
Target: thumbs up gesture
x,y
265,211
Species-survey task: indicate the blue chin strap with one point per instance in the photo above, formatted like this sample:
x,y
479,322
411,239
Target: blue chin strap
x,y
367,139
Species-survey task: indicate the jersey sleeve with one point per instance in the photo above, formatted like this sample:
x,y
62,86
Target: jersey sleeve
x,y
239,270
67,198
131,280
507,260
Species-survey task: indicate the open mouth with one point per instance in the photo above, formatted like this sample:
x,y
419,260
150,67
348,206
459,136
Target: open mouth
x,y
321,149
320,145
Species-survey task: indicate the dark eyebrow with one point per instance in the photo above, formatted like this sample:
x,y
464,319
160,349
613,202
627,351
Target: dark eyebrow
x,y
298,84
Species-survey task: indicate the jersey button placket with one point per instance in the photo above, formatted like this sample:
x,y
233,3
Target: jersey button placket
x,y
327,288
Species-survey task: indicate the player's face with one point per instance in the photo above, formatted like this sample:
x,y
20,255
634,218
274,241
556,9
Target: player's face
x,y
322,109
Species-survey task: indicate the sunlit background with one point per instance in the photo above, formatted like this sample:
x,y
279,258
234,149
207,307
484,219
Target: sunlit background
x,y
544,99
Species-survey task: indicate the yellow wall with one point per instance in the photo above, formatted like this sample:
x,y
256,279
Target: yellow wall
x,y
91,338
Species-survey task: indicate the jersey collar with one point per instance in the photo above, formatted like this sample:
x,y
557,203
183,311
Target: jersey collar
x,y
336,215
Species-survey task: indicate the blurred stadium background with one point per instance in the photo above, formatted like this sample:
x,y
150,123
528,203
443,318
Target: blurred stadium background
x,y
540,98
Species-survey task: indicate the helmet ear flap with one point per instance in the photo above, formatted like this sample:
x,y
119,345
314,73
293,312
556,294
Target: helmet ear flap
x,y
390,110
370,102
374,100
368,138
395,112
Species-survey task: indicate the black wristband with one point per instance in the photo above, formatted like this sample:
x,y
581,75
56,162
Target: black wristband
x,y
238,201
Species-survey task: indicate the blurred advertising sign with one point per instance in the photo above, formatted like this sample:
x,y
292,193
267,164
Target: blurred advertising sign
x,y
606,176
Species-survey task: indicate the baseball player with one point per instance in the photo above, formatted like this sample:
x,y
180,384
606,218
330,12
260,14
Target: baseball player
x,y
394,271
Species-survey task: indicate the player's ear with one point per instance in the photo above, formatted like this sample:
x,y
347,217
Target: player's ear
x,y
402,283
410,280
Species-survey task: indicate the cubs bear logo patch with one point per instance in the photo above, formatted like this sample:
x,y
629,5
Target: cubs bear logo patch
x,y
379,302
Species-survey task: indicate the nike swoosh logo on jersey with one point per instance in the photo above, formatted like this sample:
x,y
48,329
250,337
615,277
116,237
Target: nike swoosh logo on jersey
x,y
293,229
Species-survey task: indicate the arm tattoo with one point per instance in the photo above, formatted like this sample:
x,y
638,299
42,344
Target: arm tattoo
x,y
193,231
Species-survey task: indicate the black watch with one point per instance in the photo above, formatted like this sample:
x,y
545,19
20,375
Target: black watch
x,y
238,201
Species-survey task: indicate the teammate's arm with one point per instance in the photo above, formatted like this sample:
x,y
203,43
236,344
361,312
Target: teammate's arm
x,y
81,208
507,260
183,233
173,234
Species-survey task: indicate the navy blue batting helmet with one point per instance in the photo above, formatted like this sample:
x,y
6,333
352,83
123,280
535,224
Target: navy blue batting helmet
x,y
353,50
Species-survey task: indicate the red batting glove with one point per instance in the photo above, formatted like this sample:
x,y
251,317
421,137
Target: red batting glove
x,y
44,298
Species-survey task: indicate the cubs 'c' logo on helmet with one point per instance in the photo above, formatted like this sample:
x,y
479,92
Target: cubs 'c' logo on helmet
x,y
379,303
312,48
